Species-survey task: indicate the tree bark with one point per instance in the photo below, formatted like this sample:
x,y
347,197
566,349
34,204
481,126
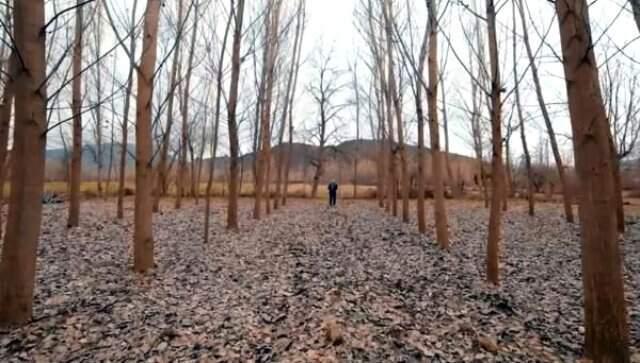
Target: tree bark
x,y
76,109
234,144
606,330
19,249
143,234
497,178
442,231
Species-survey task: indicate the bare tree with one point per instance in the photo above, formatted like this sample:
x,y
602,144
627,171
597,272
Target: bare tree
x,y
324,90
395,98
268,79
234,144
442,232
76,155
124,145
163,170
19,249
216,122
497,179
182,169
300,22
289,94
606,330
523,135
566,190
143,234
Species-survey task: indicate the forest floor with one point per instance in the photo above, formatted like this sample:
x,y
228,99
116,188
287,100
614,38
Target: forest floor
x,y
310,284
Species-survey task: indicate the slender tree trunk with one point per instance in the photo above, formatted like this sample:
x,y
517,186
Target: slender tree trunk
x,y
497,178
98,108
357,148
442,229
162,187
523,134
270,55
287,162
19,249
182,170
234,144
216,126
76,109
143,234
422,222
607,334
124,147
445,126
393,94
566,190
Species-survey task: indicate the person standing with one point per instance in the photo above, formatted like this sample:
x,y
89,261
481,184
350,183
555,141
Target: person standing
x,y
333,193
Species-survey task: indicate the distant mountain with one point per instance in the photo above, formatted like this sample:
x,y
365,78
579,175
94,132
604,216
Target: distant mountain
x,y
339,162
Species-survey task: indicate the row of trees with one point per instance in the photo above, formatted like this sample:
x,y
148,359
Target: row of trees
x,y
602,136
39,70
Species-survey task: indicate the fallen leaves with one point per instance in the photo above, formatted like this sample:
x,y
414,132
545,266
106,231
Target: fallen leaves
x,y
310,284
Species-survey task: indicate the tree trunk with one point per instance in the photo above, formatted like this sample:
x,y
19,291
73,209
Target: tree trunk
x,y
125,122
607,334
523,135
497,178
98,106
234,144
566,190
445,126
290,89
270,55
393,94
76,109
143,234
162,186
422,223
442,231
19,250
182,174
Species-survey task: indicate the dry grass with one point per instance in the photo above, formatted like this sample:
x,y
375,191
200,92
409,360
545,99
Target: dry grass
x,y
296,190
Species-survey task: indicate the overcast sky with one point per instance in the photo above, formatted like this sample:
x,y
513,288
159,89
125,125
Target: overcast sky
x,y
331,26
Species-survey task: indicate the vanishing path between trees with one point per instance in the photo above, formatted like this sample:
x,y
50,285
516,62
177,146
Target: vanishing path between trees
x,y
309,284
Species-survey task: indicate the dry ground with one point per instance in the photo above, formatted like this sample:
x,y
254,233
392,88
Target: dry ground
x,y
309,284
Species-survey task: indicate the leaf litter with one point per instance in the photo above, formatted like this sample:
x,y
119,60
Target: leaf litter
x,y
310,284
